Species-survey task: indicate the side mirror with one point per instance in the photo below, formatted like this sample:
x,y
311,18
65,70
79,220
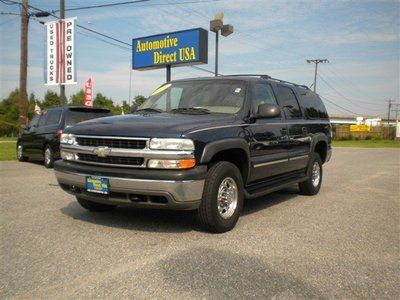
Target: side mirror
x,y
24,127
268,111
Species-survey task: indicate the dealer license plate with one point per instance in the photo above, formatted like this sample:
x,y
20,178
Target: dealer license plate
x,y
97,185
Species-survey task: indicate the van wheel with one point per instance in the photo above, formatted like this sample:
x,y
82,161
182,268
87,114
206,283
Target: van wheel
x,y
94,206
222,200
20,153
48,157
314,173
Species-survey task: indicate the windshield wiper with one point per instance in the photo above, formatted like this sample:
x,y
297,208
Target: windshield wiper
x,y
191,110
150,109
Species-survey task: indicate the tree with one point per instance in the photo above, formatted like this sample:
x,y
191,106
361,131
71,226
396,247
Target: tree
x,y
139,99
51,99
78,98
125,107
9,112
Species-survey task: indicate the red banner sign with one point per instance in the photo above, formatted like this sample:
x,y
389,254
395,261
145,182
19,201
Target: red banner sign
x,y
88,91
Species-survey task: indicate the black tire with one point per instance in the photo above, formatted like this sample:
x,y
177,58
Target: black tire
x,y
310,187
20,154
48,157
208,213
94,206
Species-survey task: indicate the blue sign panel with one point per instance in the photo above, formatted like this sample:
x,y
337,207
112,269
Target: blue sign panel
x,y
186,47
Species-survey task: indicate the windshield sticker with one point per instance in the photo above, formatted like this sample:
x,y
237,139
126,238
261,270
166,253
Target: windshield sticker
x,y
160,89
238,90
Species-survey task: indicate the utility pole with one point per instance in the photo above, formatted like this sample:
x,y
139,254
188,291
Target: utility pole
x,y
316,62
23,70
390,102
63,99
396,110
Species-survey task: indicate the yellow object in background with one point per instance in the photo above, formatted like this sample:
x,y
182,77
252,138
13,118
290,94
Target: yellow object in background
x,y
360,128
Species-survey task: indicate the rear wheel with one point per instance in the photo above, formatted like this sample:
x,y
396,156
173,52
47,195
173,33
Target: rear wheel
x,y
94,206
48,157
222,200
20,153
314,173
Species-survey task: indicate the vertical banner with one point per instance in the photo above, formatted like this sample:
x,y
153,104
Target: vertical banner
x,y
88,92
52,59
60,65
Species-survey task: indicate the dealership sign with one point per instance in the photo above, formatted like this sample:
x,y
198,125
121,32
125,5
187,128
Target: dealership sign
x,y
186,47
60,65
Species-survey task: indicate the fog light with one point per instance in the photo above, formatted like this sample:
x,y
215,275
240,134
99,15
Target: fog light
x,y
171,164
67,155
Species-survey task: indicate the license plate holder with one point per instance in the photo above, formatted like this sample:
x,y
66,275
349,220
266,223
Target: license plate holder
x,y
100,185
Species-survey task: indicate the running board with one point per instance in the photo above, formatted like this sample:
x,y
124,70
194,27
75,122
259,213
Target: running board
x,y
261,189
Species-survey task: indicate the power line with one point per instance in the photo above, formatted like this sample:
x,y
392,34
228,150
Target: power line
x,y
102,5
340,94
337,105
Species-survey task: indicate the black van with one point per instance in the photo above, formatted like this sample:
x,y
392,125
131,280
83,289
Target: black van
x,y
40,140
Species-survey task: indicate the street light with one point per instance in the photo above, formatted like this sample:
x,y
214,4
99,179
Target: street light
x,y
216,26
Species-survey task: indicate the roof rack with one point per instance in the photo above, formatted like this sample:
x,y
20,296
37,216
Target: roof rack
x,y
264,76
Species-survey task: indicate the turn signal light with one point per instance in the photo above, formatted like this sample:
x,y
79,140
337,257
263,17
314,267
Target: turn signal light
x,y
187,163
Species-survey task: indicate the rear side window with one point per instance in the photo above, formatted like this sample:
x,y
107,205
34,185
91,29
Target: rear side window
x,y
312,105
263,94
35,121
53,117
75,116
289,103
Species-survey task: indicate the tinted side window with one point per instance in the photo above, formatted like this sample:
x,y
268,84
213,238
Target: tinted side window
x,y
289,103
43,118
312,105
53,117
35,121
263,94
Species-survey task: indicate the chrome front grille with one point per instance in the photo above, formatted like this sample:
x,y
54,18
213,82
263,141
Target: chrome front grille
x,y
111,160
116,142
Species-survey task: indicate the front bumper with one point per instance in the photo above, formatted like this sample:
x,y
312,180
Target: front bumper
x,y
178,193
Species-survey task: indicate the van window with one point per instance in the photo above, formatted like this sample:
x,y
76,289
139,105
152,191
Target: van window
x,y
312,105
288,103
76,115
53,117
43,118
35,121
263,94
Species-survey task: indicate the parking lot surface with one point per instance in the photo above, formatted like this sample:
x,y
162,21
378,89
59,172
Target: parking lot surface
x,y
344,242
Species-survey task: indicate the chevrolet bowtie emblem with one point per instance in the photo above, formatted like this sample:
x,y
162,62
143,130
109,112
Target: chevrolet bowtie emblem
x,y
102,151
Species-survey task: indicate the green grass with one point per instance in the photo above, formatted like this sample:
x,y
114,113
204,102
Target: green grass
x,y
368,144
7,139
7,149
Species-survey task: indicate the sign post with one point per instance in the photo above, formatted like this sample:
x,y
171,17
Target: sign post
x,y
180,48
60,67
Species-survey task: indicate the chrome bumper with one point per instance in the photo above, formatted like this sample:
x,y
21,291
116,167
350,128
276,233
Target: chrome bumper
x,y
185,194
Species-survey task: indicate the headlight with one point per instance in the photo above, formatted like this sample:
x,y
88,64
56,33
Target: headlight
x,y
67,138
171,144
171,163
67,155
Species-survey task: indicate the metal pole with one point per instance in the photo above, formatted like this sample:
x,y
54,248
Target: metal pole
x,y
63,99
216,53
390,106
168,68
24,65
315,76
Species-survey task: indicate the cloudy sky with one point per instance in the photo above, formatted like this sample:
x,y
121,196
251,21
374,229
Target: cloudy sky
x,y
359,38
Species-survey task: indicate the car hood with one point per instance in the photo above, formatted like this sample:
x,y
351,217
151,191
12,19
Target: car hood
x,y
149,125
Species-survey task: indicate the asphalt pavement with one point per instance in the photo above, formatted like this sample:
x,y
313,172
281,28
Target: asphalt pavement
x,y
342,243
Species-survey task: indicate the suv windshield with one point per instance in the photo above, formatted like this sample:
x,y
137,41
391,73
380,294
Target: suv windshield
x,y
74,116
197,97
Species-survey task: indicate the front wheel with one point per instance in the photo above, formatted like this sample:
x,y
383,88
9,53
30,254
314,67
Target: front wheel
x,y
222,198
314,173
20,153
94,206
48,157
